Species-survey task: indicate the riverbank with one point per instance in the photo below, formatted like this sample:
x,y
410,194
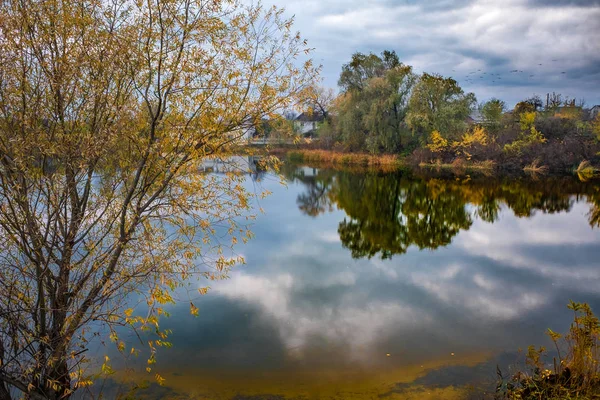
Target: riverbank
x,y
327,158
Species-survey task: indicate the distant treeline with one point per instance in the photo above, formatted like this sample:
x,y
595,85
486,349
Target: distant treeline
x,y
385,108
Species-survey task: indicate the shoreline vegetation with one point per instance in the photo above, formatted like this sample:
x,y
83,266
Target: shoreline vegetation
x,y
573,372
389,162
328,157
386,114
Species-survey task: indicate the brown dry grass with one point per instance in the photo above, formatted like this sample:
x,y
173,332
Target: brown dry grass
x,y
536,168
348,159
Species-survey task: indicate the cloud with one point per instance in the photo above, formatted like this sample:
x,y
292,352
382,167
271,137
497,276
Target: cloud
x,y
539,245
357,325
302,299
555,3
495,275
455,38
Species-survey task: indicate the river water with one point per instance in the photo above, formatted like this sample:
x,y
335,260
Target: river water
x,y
365,285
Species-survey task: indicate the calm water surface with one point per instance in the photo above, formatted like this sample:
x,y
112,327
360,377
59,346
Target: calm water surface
x,y
369,285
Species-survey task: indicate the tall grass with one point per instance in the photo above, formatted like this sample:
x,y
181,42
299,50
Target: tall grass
x,y
335,158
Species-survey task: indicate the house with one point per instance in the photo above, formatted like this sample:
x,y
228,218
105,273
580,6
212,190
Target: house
x,y
475,117
594,112
246,130
306,123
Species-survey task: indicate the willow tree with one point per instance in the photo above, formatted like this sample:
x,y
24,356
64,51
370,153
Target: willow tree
x,y
107,110
371,110
438,104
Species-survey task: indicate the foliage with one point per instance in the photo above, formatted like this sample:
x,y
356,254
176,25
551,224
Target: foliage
x,y
569,112
492,112
327,134
471,141
523,107
370,115
527,121
596,126
585,171
536,168
477,135
438,103
107,112
553,101
384,108
437,143
529,135
335,158
362,68
474,144
533,103
319,100
576,372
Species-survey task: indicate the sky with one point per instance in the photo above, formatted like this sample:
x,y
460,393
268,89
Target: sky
x,y
554,45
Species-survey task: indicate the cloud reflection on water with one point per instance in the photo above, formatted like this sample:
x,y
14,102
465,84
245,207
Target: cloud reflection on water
x,y
303,301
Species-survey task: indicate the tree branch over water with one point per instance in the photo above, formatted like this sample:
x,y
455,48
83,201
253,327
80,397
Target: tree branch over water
x,y
107,110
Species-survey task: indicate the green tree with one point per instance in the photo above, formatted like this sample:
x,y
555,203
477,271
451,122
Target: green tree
x,y
386,105
374,102
492,112
363,67
438,104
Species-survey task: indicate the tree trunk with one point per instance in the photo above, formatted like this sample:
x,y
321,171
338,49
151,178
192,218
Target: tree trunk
x,y
4,393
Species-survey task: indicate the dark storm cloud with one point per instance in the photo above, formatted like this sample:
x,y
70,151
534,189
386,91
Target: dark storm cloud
x,y
556,44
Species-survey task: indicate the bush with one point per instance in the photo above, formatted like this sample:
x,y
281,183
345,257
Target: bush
x,y
575,374
327,135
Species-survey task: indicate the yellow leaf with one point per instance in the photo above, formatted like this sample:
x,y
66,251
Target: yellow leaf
x,y
193,310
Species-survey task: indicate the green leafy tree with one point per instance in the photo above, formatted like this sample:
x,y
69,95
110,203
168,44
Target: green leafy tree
x,y
492,112
372,109
363,67
438,103
386,104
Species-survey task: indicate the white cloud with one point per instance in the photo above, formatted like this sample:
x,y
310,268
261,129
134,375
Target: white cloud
x,y
507,240
358,325
454,38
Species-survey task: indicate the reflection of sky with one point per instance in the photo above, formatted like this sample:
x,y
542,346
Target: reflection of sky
x,y
303,302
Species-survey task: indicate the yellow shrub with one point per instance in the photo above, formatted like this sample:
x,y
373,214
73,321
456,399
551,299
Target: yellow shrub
x,y
596,126
477,136
527,120
437,142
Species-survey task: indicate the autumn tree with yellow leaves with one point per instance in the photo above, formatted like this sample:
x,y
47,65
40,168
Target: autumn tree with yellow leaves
x,y
107,110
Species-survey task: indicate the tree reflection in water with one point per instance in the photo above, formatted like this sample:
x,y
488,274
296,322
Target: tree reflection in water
x,y
388,213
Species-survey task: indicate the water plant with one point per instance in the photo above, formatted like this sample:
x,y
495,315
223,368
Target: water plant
x,y
575,370
586,171
535,167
